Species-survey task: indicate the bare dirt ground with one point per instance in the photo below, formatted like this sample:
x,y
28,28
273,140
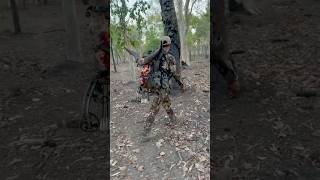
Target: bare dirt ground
x,y
272,130
179,153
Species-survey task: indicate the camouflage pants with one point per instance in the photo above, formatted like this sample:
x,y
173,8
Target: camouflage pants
x,y
163,99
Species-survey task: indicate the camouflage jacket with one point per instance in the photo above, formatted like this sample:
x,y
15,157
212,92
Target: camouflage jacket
x,y
162,68
166,62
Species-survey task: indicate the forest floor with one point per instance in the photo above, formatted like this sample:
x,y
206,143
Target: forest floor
x,y
179,153
272,130
41,97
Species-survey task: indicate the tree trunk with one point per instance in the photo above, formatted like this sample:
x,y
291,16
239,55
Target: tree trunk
x,y
113,60
132,66
119,57
124,59
202,54
203,51
208,51
15,17
72,31
182,15
198,51
169,20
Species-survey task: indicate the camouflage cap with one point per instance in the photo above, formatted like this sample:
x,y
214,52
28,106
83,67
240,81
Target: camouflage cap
x,y
166,40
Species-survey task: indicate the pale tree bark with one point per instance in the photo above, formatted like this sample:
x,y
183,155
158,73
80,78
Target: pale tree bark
x,y
119,60
184,9
73,50
132,64
182,31
123,24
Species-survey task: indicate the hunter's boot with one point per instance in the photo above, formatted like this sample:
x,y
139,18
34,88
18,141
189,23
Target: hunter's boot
x,y
172,118
148,125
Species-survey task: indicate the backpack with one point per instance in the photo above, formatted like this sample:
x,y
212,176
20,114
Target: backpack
x,y
151,79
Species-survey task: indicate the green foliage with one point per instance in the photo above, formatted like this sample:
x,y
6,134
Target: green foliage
x,y
127,23
116,39
153,31
141,25
139,8
201,26
152,41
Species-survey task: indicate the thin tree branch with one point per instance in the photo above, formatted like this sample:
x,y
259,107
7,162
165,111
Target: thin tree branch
x,y
186,8
188,15
192,5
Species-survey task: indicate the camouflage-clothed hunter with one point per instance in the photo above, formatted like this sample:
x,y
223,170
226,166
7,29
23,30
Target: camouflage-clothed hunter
x,y
160,83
